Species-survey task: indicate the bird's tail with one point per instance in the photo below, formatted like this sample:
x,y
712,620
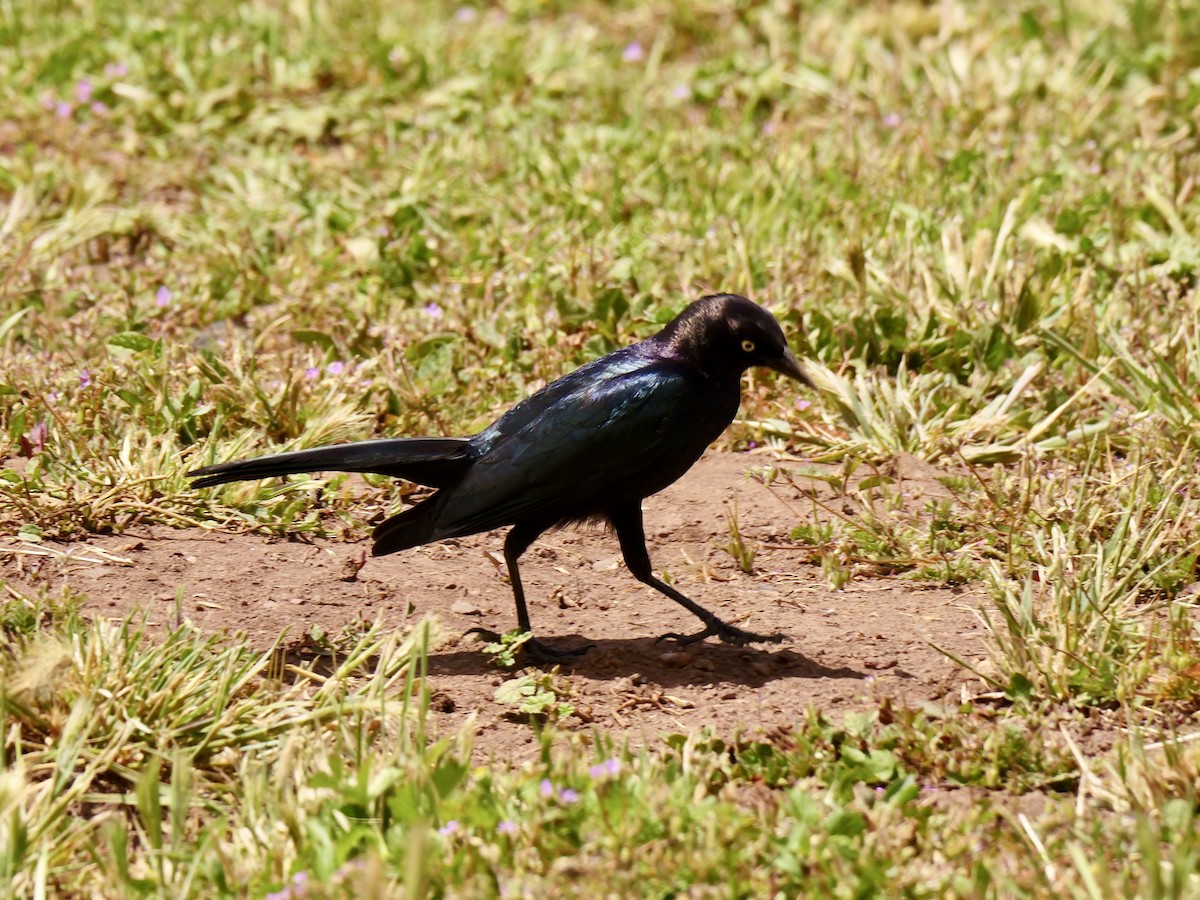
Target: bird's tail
x,y
436,462
411,528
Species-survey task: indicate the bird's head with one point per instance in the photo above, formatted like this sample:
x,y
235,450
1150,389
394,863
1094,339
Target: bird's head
x,y
728,334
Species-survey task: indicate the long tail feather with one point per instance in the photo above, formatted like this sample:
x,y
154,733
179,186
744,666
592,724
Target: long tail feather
x,y
411,528
436,462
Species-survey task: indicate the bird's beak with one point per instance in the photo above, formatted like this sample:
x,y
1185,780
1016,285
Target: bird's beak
x,y
787,364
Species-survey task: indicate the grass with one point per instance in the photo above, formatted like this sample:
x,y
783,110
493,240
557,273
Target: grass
x,y
274,226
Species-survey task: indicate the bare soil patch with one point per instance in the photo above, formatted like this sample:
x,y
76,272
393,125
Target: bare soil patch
x,y
845,649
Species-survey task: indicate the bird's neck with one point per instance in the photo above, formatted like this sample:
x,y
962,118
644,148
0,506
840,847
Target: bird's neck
x,y
702,358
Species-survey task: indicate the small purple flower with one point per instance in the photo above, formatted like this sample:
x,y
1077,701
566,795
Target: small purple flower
x,y
100,108
162,297
433,310
348,868
634,52
312,373
769,127
34,440
449,828
752,445
83,91
336,367
116,70
85,379
63,109
382,231
803,404
611,766
546,789
52,396
507,827
891,120
682,92
289,892
465,15
569,795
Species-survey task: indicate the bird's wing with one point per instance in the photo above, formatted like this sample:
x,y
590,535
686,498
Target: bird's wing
x,y
565,460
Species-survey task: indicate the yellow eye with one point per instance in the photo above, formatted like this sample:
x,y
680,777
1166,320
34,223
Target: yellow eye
x,y
748,346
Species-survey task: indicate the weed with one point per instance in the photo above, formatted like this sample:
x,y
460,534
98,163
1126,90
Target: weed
x,y
542,696
743,552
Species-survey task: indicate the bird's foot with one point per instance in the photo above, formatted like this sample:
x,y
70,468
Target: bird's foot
x,y
533,650
729,634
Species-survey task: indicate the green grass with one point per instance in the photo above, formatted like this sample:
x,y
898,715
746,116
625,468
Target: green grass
x,y
291,224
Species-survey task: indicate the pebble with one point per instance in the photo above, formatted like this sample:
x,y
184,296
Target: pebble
x,y
676,658
884,664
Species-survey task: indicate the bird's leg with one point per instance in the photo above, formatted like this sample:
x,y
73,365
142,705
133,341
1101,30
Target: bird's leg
x,y
517,542
627,522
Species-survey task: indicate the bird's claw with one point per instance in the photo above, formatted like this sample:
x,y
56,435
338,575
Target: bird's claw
x,y
728,634
532,649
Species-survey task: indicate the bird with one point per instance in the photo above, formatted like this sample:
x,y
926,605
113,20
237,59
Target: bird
x,y
588,447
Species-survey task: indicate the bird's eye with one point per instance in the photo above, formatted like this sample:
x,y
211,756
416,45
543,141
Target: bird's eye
x,y
748,346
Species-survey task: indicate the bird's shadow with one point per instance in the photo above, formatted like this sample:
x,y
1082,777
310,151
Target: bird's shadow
x,y
663,664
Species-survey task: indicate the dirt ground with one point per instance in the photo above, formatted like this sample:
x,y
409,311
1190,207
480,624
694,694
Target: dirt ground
x,y
845,649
